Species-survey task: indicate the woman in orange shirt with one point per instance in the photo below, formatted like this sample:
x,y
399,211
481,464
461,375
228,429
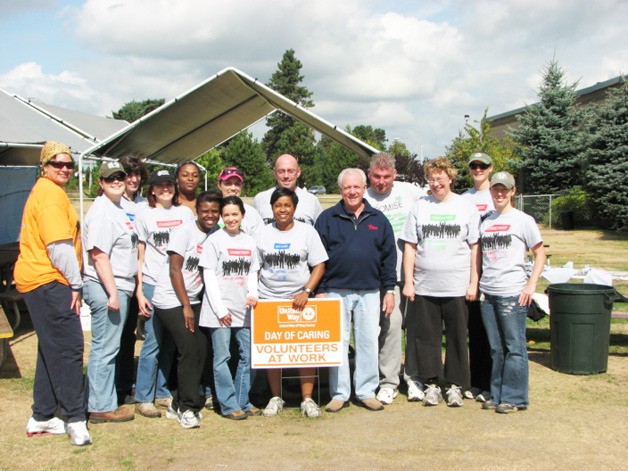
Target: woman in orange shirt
x,y
48,273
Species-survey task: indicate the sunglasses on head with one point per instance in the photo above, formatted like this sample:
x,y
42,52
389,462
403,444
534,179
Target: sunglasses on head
x,y
474,166
59,165
231,171
116,177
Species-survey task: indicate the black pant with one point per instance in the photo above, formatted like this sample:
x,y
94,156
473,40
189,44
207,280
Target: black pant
x,y
479,349
59,379
125,360
424,340
191,355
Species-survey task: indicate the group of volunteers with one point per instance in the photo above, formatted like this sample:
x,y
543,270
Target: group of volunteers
x,y
193,266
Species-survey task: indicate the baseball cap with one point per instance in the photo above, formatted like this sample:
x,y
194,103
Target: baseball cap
x,y
109,168
503,178
481,157
159,176
231,172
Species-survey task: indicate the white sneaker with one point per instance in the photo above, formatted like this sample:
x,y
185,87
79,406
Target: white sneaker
x,y
78,433
387,395
471,393
171,413
274,407
454,396
415,391
310,409
433,395
54,426
189,419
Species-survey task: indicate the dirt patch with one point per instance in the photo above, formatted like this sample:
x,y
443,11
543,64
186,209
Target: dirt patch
x,y
574,422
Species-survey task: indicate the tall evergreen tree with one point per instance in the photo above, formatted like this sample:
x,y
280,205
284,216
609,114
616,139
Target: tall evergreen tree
x,y
286,80
606,160
548,137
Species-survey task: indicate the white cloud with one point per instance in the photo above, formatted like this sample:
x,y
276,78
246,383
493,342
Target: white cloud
x,y
412,68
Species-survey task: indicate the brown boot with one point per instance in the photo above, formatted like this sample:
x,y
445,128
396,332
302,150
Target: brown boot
x,y
121,414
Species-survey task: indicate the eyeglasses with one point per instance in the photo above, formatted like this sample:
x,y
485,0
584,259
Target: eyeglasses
x,y
116,177
482,166
59,164
289,171
431,181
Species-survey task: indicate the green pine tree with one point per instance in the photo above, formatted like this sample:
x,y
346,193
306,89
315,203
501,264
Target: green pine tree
x,y
133,110
286,80
549,139
606,160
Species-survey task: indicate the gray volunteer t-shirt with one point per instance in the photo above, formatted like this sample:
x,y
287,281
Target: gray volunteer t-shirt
x,y
307,210
442,232
481,199
153,226
187,241
285,258
505,238
396,206
108,228
232,258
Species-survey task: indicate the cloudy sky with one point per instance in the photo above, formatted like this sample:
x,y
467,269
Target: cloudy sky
x,y
413,68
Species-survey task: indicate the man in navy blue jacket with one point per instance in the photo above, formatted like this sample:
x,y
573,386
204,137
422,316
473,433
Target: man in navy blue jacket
x,y
362,259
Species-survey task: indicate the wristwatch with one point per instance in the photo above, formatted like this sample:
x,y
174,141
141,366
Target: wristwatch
x,y
307,290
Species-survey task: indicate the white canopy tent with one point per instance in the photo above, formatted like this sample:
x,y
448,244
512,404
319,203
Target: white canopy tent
x,y
207,115
25,125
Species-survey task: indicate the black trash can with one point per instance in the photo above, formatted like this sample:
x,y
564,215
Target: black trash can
x,y
580,325
567,220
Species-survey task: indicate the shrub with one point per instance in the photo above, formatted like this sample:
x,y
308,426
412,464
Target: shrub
x,y
576,200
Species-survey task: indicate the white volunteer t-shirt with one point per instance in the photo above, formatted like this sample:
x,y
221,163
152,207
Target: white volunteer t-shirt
x,y
307,210
232,258
153,226
186,240
251,223
442,232
108,228
481,199
505,238
396,206
131,208
285,258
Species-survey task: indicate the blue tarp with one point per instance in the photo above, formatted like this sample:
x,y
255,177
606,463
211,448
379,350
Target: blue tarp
x,y
15,186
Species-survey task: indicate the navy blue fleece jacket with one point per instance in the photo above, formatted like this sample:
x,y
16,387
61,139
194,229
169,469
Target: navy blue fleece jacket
x,y
362,253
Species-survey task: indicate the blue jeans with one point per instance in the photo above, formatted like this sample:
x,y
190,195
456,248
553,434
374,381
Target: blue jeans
x,y
364,306
232,393
505,323
106,332
156,357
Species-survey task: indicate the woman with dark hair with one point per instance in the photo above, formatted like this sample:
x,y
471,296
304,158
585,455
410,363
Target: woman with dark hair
x,y
288,250
153,226
230,267
132,201
110,279
188,176
177,305
441,268
48,273
230,183
506,236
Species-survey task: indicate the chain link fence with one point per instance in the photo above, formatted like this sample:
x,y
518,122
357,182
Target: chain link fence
x,y
537,206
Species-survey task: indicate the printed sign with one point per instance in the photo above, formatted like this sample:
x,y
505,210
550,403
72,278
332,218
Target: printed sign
x,y
282,337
